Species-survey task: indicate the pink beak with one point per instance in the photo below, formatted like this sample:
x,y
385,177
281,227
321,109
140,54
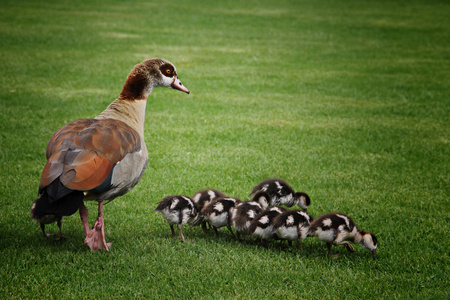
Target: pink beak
x,y
176,84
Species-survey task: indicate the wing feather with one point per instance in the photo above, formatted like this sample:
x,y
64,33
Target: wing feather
x,y
84,152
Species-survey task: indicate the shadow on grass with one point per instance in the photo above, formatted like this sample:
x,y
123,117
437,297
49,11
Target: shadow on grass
x,y
311,248
34,240
31,239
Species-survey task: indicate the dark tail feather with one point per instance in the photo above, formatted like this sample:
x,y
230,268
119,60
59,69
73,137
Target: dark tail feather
x,y
65,206
56,190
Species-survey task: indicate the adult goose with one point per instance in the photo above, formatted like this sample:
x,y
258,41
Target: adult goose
x,y
102,158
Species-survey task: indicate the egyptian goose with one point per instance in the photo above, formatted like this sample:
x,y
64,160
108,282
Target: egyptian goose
x,y
177,210
262,225
203,198
245,212
292,225
282,193
218,213
102,158
338,229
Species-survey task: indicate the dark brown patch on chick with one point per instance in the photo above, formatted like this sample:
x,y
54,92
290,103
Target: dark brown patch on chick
x,y
272,189
227,204
244,213
297,216
270,213
336,221
205,197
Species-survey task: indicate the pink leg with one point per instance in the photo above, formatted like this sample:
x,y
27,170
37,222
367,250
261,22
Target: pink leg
x,y
95,239
84,218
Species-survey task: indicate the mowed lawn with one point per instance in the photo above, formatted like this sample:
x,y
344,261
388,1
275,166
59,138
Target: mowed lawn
x,y
346,100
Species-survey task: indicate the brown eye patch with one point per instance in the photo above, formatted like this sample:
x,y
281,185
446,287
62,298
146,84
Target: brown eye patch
x,y
167,70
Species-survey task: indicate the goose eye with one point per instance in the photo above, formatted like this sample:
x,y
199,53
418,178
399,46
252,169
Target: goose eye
x,y
167,70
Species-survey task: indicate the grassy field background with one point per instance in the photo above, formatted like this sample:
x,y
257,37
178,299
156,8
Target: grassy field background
x,y
346,100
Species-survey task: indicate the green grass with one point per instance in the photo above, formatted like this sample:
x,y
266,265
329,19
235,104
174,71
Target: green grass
x,y
346,100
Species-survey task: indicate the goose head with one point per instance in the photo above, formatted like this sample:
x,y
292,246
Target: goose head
x,y
150,74
369,242
302,200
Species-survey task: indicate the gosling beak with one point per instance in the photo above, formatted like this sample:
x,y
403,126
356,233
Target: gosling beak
x,y
374,253
176,84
